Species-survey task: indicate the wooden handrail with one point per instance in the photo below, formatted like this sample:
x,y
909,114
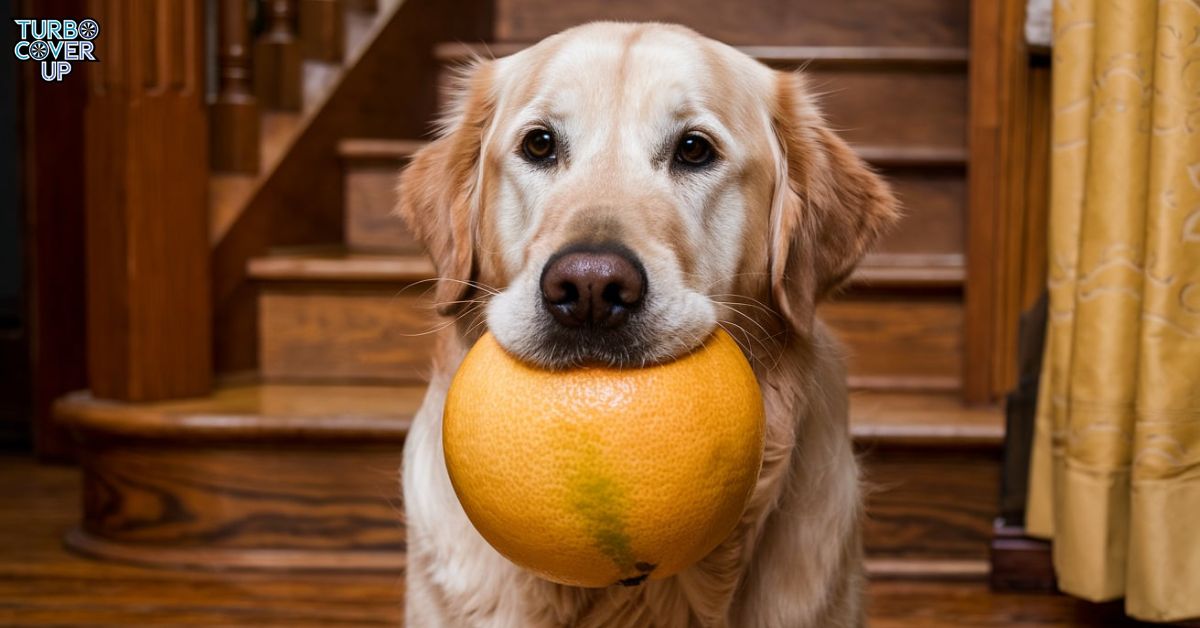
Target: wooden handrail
x,y
149,313
235,124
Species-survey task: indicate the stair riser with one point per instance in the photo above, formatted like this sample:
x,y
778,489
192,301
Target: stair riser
x,y
337,506
934,503
380,334
934,205
371,222
882,107
899,341
235,505
934,199
369,334
813,22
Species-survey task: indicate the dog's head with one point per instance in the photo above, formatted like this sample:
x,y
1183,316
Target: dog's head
x,y
618,190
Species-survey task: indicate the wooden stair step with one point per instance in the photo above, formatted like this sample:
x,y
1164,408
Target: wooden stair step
x,y
252,476
877,270
903,106
272,476
858,22
334,264
893,96
280,131
928,180
932,471
953,57
327,314
372,170
397,152
899,338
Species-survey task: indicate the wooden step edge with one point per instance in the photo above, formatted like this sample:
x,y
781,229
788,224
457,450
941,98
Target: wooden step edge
x,y
905,383
883,271
879,568
926,436
295,411
341,267
374,149
910,270
923,420
939,56
262,413
909,156
356,150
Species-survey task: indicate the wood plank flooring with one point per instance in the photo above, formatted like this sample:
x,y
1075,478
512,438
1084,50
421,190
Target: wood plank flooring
x,y
41,583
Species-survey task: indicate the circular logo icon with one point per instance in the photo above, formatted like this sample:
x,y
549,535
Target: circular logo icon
x,y
88,29
39,50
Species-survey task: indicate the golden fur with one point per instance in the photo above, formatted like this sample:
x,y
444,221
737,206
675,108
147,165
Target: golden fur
x,y
752,247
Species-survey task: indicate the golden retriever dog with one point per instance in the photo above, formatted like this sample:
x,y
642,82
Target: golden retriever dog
x,y
611,195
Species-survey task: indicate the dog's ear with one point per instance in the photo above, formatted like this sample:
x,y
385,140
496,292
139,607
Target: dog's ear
x,y
438,189
829,206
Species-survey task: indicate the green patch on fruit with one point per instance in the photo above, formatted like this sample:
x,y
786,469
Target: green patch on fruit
x,y
600,502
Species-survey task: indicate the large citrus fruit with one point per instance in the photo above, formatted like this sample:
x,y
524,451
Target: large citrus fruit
x,y
594,476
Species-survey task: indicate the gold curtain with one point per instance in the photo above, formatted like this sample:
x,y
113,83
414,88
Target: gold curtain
x,y
1115,474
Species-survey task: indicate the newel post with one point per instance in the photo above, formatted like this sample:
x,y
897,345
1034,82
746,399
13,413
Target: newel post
x,y
146,162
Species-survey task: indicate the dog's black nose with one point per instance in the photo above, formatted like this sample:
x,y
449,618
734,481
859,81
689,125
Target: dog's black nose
x,y
595,286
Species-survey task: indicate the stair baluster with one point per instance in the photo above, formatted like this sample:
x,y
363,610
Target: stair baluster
x,y
277,59
321,30
234,139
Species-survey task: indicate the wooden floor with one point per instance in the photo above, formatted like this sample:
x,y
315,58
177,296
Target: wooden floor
x,y
43,584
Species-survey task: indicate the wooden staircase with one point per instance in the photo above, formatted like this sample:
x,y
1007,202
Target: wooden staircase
x,y
292,460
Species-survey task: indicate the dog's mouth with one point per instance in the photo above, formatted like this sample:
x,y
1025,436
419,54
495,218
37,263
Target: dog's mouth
x,y
626,347
598,305
653,334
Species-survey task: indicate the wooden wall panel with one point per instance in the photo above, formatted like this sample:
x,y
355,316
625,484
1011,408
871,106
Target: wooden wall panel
x,y
808,22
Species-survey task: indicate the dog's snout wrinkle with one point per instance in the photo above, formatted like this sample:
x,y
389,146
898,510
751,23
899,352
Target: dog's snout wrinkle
x,y
593,287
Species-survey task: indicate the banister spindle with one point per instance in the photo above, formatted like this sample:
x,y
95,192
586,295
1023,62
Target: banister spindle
x,y
277,58
321,29
234,140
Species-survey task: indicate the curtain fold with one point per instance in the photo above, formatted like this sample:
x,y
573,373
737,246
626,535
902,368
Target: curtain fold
x,y
1115,468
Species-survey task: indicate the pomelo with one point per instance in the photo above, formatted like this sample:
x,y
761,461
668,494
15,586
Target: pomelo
x,y
594,476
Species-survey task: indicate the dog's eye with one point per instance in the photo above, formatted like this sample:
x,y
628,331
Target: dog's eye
x,y
694,151
539,146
